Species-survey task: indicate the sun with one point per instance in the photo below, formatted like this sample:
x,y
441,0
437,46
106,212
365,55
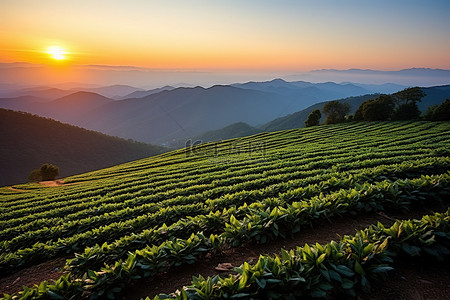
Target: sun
x,y
57,52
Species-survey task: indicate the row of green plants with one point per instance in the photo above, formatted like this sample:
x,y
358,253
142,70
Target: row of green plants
x,y
343,267
287,193
337,269
290,186
266,220
83,215
290,137
59,227
186,181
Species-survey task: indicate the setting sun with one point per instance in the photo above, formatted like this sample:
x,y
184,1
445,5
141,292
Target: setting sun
x,y
56,52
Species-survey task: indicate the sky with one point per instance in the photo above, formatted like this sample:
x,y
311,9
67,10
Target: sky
x,y
260,35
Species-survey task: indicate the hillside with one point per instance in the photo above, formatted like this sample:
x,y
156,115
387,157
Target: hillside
x,y
239,129
29,141
209,208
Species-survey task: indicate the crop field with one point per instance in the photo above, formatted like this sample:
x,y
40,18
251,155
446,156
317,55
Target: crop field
x,y
119,225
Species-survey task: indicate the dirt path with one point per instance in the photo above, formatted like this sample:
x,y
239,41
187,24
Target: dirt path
x,y
16,190
48,183
58,182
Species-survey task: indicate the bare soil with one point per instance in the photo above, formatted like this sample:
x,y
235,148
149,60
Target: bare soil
x,y
16,190
58,182
50,270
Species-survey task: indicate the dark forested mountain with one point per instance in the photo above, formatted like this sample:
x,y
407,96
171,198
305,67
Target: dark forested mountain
x,y
29,141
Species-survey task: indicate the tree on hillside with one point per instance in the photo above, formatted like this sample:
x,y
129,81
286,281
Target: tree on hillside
x,y
406,101
35,175
408,95
335,112
46,172
378,109
438,112
313,118
405,112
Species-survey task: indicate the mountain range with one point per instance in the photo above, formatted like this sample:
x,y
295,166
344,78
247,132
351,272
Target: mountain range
x,y
170,114
433,96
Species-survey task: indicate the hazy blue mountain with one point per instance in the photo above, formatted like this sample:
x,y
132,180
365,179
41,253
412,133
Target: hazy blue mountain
x,y
186,112
22,103
143,93
29,141
386,88
407,77
433,95
69,108
302,89
44,93
297,119
171,115
116,91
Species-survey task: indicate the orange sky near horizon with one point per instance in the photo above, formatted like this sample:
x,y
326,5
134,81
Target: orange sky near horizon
x,y
248,35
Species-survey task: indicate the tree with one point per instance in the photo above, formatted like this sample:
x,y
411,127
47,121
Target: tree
x,y
313,118
429,114
49,172
35,175
408,95
439,112
335,111
406,101
378,109
408,111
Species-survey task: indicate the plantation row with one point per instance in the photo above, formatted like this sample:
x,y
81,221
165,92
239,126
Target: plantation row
x,y
337,268
162,209
129,209
19,255
154,197
343,267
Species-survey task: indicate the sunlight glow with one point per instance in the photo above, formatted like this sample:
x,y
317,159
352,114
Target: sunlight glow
x,y
56,52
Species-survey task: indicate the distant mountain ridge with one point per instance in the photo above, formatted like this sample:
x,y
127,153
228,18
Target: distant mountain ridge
x,y
409,77
102,75
29,141
433,96
167,114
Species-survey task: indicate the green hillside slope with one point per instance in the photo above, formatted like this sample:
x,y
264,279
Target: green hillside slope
x,y
28,141
145,217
